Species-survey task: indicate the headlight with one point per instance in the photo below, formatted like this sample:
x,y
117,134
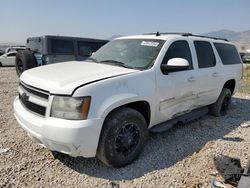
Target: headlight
x,y
74,108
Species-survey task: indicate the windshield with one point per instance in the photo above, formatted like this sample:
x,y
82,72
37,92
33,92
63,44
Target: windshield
x,y
130,53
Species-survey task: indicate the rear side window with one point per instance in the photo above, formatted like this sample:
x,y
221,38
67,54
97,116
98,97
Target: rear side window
x,y
228,53
179,49
87,48
62,46
205,54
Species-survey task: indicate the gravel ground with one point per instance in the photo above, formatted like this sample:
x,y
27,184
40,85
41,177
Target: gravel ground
x,y
185,156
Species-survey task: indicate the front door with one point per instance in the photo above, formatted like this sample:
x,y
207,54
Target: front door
x,y
10,59
176,90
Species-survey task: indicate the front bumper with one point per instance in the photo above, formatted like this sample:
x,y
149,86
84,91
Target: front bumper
x,y
73,137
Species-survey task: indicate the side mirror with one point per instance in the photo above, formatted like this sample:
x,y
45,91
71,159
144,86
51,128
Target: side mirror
x,y
175,64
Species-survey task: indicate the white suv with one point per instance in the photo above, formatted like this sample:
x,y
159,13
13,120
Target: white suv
x,y
106,105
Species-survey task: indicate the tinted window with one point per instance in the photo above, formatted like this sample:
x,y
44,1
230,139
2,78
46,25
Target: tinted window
x,y
87,48
179,49
62,46
205,54
11,54
228,53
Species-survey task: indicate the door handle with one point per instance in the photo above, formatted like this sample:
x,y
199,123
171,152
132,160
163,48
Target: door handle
x,y
216,74
191,79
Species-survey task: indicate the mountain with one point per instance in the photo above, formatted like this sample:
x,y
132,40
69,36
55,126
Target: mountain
x,y
241,39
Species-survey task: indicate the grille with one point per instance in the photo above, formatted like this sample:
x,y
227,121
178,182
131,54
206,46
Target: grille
x,y
35,91
33,107
39,101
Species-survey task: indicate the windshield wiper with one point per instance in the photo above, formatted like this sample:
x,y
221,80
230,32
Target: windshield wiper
x,y
114,62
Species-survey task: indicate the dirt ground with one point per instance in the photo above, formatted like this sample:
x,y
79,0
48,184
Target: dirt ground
x,y
192,155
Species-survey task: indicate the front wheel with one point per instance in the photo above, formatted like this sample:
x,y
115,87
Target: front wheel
x,y
123,137
220,107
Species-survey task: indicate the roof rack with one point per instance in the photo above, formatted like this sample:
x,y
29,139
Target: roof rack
x,y
169,33
186,35
202,36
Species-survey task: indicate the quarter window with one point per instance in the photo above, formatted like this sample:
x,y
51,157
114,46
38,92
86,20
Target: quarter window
x,y
228,53
179,49
205,54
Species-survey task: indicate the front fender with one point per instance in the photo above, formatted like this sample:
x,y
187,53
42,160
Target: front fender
x,y
116,101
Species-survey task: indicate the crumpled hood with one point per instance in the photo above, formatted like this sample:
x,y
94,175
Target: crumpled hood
x,y
63,78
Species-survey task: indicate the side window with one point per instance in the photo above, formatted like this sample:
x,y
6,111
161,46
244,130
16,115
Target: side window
x,y
87,48
179,49
228,53
11,55
62,46
205,54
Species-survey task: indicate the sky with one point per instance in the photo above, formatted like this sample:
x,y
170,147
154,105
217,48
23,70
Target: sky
x,y
106,18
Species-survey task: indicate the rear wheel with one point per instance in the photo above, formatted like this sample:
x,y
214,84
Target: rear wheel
x,y
123,137
25,60
220,107
1,64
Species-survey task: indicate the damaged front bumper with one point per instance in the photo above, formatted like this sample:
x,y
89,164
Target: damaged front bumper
x,y
72,137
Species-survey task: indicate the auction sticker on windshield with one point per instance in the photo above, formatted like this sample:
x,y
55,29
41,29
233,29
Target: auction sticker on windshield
x,y
149,43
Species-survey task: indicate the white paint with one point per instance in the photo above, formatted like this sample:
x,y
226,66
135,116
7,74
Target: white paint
x,y
8,59
63,79
167,95
178,62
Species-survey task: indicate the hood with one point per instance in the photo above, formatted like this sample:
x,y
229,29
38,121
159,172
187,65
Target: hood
x,y
63,78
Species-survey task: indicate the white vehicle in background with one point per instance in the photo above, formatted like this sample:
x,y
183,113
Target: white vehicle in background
x,y
8,59
14,48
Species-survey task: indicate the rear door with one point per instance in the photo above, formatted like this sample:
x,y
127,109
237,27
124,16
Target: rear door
x,y
208,73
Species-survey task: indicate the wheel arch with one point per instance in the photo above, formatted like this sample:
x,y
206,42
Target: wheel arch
x,y
230,84
142,106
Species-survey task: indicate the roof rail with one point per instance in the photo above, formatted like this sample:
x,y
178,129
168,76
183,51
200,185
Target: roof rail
x,y
202,36
186,35
169,33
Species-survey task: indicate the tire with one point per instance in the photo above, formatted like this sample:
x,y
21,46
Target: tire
x,y
25,60
123,137
1,64
220,107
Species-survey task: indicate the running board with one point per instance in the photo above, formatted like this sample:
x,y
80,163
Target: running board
x,y
185,118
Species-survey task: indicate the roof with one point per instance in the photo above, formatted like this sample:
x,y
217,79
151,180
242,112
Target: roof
x,y
167,36
68,37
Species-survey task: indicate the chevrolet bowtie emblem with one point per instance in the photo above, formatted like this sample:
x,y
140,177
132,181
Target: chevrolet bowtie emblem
x,y
25,97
